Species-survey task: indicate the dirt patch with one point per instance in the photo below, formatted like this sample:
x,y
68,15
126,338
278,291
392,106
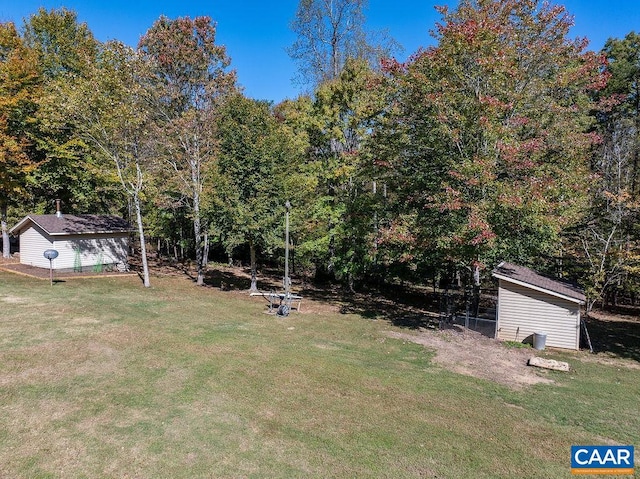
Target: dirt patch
x,y
13,265
471,354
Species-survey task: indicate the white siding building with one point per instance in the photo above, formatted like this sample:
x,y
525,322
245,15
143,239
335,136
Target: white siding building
x,y
82,241
530,303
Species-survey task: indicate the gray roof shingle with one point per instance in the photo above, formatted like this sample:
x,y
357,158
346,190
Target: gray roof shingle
x,y
530,277
76,224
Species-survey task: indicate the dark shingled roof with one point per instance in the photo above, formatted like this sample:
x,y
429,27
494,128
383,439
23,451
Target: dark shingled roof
x,y
76,224
530,277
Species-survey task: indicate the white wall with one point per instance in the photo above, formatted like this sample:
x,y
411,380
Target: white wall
x,y
94,249
523,311
33,243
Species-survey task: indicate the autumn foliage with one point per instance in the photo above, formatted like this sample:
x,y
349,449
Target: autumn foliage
x,y
502,106
502,139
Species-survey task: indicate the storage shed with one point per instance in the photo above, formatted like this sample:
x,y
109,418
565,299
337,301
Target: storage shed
x,y
83,242
529,303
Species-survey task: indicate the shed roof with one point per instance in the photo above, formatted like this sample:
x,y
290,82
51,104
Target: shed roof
x,y
529,278
75,224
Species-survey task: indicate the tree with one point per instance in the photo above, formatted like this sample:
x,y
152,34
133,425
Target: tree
x,y
344,112
19,87
109,108
300,183
336,56
329,178
190,74
61,42
608,236
329,33
252,167
493,131
610,250
623,64
65,48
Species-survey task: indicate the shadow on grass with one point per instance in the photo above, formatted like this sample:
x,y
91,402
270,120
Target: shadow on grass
x,y
402,307
414,308
231,279
615,335
226,280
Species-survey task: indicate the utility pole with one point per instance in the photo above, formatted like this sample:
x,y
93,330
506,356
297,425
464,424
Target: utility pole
x,y
287,280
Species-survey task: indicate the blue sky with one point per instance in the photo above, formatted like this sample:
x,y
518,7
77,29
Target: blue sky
x,y
256,32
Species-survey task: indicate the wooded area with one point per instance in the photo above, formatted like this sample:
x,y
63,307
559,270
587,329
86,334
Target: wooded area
x,y
506,141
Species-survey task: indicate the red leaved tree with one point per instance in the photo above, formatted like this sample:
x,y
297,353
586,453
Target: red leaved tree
x,y
493,130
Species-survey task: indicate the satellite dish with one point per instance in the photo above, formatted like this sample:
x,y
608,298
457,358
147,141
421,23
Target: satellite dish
x,y
50,254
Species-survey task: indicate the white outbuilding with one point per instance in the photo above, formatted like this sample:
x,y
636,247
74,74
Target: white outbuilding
x,y
83,242
530,303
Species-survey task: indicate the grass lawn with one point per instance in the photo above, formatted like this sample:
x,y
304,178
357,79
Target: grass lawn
x,y
100,378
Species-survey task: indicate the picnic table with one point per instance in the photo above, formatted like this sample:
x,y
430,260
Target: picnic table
x,y
276,300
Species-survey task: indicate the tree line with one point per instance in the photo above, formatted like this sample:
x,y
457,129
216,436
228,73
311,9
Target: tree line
x,y
505,140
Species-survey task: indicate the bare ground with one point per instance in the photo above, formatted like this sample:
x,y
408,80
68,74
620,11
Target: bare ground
x,y
472,354
13,265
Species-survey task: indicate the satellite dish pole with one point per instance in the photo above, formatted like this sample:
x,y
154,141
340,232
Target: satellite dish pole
x,y
50,254
287,280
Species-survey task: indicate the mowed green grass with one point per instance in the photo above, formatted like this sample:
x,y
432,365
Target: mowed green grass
x,y
100,378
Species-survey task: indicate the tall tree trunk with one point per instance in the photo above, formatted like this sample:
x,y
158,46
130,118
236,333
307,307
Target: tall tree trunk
x,y
332,251
197,230
254,267
6,245
636,149
205,250
143,245
476,289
